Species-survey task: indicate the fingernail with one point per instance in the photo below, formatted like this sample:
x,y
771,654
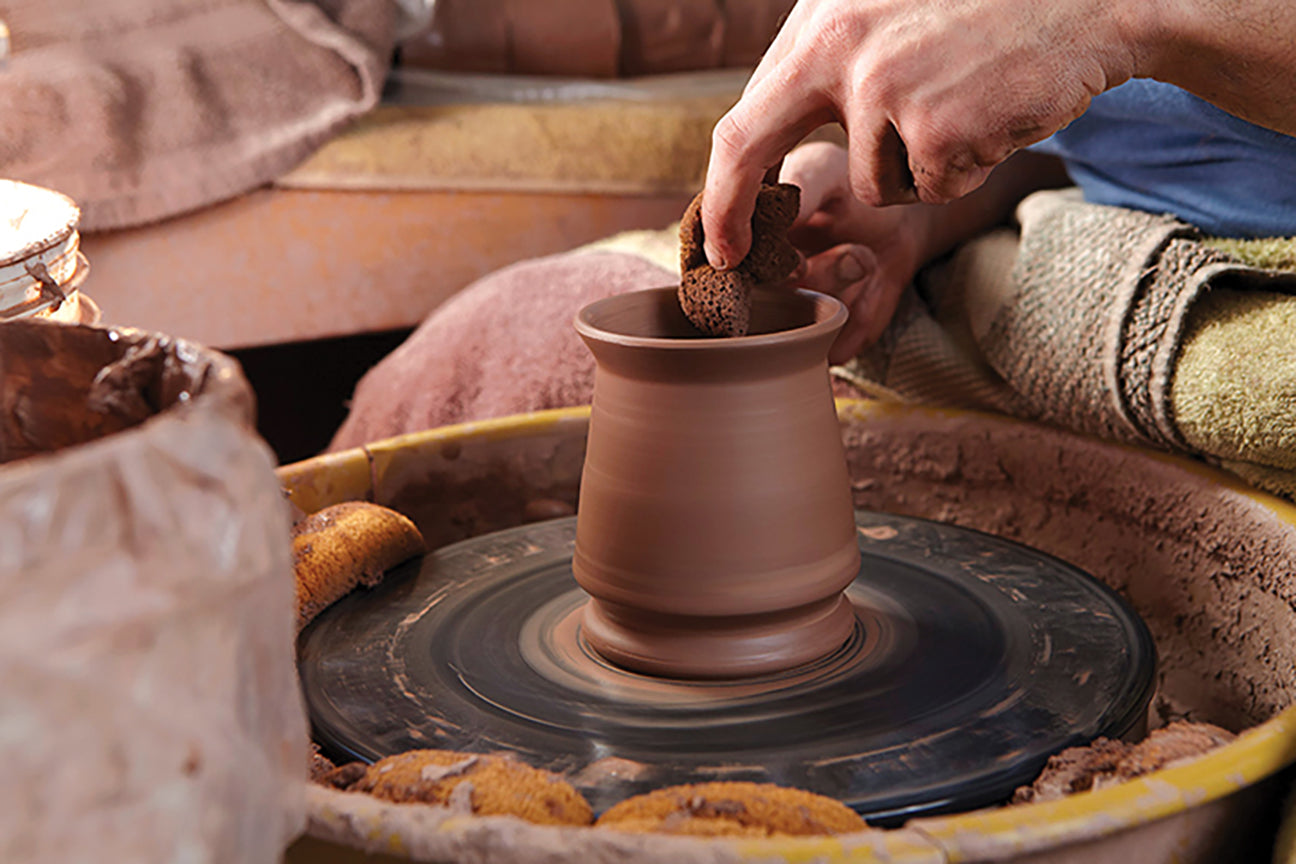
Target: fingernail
x,y
849,269
714,258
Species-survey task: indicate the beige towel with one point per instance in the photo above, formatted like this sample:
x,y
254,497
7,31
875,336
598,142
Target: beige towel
x,y
143,109
1112,322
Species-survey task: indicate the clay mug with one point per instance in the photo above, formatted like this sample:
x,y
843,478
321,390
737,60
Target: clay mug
x,y
715,530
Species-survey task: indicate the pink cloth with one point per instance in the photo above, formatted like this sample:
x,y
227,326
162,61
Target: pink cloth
x,y
504,345
144,109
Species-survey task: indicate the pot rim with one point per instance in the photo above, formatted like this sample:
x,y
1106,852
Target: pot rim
x,y
830,315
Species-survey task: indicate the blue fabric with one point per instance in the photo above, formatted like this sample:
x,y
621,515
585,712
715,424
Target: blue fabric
x,y
1151,146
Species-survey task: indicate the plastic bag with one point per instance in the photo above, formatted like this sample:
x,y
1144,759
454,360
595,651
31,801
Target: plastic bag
x,y
150,709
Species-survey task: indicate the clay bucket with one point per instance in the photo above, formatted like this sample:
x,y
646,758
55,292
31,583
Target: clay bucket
x,y
147,669
715,529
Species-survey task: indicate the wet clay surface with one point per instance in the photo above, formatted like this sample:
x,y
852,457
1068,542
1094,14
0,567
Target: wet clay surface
x,y
62,385
1206,567
715,530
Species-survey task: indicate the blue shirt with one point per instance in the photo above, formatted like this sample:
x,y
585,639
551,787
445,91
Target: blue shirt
x,y
1150,146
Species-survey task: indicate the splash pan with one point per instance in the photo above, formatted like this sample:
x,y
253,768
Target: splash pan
x,y
972,660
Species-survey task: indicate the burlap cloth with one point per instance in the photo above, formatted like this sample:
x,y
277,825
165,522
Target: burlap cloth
x,y
1121,324
144,109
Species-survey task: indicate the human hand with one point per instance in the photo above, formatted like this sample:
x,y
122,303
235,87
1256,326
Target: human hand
x,y
862,255
932,95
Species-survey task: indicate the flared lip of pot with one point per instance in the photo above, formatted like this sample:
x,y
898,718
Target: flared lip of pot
x,y
830,316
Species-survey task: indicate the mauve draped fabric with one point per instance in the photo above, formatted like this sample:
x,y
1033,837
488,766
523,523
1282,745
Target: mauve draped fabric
x,y
504,345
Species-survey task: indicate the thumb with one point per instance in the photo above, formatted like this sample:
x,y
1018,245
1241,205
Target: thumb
x,y
840,271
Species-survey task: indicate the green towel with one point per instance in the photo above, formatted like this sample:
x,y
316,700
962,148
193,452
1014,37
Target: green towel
x,y
1234,388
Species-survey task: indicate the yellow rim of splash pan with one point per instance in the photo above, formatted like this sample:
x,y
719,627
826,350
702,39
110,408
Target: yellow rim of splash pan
x,y
1253,756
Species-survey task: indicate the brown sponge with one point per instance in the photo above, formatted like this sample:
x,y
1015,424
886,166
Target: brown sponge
x,y
732,810
346,545
469,782
719,302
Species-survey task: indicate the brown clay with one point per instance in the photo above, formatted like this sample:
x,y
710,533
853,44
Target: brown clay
x,y
715,530
1107,763
718,302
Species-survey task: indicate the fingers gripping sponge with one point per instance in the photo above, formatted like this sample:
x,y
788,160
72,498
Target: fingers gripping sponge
x,y
718,302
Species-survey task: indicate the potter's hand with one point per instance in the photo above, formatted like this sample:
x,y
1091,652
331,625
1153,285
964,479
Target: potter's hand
x,y
932,95
866,255
860,254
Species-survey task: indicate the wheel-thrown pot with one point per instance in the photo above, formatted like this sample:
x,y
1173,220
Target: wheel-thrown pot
x,y
715,530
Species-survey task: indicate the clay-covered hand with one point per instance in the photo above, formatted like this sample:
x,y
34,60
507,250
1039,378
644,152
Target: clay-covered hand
x,y
932,95
860,254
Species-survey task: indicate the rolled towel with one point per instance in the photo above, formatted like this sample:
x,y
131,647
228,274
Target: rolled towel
x,y
1113,322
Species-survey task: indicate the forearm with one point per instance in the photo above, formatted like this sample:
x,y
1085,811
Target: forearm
x,y
947,225
1236,54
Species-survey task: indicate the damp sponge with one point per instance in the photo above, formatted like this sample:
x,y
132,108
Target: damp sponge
x,y
468,783
344,546
732,809
718,302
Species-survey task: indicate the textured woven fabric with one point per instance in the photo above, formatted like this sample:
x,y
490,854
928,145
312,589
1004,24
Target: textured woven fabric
x,y
1091,333
1111,322
1057,338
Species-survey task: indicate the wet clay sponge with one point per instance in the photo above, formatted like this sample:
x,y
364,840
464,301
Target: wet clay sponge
x,y
346,545
732,810
718,302
469,783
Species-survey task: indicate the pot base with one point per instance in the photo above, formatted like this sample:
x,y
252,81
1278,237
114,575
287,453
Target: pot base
x,y
683,647
970,660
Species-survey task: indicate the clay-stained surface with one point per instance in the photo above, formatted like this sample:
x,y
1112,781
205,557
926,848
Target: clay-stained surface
x,y
1207,567
1107,762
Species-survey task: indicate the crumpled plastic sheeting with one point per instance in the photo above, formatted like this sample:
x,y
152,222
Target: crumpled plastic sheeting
x,y
150,707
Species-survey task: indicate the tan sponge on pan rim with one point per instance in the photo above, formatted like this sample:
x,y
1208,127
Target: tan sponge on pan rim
x,y
718,302
467,783
344,546
732,809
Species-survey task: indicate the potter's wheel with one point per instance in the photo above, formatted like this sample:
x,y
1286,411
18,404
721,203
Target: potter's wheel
x,y
973,659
